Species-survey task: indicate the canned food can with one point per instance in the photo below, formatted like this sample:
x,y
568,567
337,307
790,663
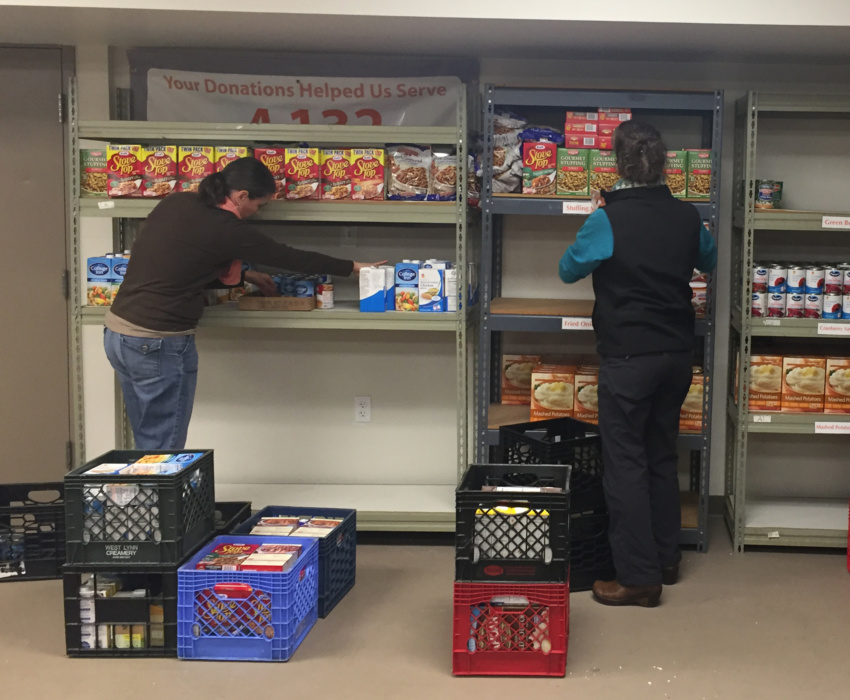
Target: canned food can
x,y
796,283
777,194
833,279
795,305
845,305
324,295
814,305
831,306
845,276
764,194
776,305
759,306
759,278
777,276
814,279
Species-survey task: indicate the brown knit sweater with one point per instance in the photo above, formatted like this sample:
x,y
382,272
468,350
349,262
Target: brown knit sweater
x,y
183,247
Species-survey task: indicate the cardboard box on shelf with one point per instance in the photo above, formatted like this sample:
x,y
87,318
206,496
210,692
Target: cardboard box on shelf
x,y
690,415
516,378
552,392
765,383
194,163
603,170
699,173
573,175
275,160
539,163
676,172
587,395
837,396
803,384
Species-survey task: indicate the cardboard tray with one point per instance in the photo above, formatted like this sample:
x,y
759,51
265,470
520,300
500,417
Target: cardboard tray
x,y
255,302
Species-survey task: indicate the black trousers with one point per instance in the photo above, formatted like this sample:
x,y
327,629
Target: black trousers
x,y
639,402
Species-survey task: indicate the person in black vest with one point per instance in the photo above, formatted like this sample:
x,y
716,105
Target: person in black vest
x,y
641,248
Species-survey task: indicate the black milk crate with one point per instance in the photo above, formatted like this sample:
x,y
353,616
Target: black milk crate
x,y
138,520
518,536
122,627
231,514
560,441
337,551
32,531
590,551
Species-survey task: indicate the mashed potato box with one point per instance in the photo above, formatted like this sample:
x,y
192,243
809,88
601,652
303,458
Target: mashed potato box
x,y
803,380
837,398
765,383
516,378
552,391
690,415
586,406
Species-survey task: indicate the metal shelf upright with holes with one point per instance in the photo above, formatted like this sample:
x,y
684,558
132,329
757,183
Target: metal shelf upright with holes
x,y
500,315
764,520
381,506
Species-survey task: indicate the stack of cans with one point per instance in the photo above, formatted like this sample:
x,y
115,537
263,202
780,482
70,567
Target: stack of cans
x,y
783,290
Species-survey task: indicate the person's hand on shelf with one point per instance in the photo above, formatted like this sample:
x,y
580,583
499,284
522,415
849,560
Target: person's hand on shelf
x,y
263,282
359,265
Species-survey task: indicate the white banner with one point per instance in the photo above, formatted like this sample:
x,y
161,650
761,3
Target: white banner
x,y
178,96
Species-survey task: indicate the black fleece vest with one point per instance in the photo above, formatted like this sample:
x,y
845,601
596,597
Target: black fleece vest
x,y
643,295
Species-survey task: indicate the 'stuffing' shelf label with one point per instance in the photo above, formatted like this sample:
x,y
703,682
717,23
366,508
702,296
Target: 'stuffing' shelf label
x,y
577,208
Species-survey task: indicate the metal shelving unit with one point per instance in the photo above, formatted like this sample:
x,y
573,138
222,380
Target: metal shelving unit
x,y
500,315
795,522
386,506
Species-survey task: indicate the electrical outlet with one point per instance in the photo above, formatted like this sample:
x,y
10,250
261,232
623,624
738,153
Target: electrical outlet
x,y
362,409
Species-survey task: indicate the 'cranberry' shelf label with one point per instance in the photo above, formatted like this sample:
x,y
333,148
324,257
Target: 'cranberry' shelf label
x,y
832,427
827,328
576,323
577,208
836,222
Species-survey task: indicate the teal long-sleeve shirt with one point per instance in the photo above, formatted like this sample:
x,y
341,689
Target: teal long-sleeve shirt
x,y
595,244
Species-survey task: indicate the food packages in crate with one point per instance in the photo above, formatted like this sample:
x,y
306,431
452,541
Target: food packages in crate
x,y
510,630
336,531
512,524
140,508
249,614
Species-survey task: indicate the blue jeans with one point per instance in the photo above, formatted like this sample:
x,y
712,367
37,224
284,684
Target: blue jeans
x,y
158,378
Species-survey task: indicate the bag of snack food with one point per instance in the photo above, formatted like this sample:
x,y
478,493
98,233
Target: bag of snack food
x,y
408,172
473,180
443,181
506,128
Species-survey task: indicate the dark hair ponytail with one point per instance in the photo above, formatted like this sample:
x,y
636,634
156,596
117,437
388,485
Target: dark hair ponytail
x,y
247,174
640,152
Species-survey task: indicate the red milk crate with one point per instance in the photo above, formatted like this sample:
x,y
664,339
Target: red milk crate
x,y
510,629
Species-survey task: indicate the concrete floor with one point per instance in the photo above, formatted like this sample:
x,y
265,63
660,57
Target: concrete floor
x,y
763,625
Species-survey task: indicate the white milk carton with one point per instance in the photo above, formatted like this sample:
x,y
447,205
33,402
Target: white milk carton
x,y
389,286
119,269
99,281
406,280
451,289
432,293
372,293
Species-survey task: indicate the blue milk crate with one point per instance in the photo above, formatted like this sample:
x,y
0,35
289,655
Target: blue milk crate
x,y
337,551
246,615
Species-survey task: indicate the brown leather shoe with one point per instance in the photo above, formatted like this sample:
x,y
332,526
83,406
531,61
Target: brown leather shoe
x,y
670,575
612,593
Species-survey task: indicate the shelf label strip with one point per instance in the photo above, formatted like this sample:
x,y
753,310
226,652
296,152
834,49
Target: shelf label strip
x,y
828,427
761,418
576,323
106,205
577,208
839,222
827,328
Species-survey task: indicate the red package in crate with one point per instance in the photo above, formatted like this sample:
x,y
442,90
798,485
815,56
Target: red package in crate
x,y
510,629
